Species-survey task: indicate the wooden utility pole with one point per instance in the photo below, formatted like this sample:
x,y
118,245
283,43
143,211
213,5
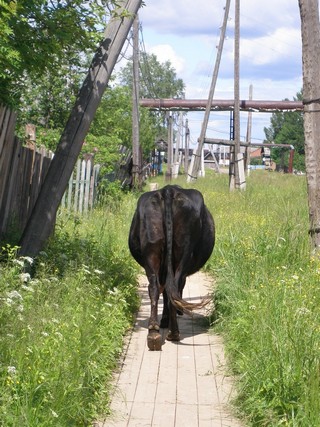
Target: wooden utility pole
x,y
186,147
176,161
249,128
237,160
41,222
170,149
196,160
310,30
136,156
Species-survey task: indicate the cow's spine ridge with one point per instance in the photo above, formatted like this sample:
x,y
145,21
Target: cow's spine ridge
x,y
168,196
171,286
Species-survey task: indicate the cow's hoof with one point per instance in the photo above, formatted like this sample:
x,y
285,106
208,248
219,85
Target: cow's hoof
x,y
164,323
173,336
154,341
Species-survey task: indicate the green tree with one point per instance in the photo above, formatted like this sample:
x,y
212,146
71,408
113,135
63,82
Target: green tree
x,y
40,35
287,128
112,128
47,101
157,80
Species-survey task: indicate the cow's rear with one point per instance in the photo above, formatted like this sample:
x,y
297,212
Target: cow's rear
x,y
171,237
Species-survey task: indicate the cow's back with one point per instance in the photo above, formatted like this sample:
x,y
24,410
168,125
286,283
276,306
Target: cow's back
x,y
192,228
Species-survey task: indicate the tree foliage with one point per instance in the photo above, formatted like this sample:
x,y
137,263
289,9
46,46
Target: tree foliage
x,y
37,36
157,80
45,51
287,128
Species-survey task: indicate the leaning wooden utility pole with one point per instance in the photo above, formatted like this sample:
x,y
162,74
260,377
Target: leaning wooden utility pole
x,y
41,222
310,31
196,160
136,152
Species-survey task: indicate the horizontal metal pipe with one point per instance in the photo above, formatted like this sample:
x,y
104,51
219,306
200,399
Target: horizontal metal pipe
x,y
220,105
246,144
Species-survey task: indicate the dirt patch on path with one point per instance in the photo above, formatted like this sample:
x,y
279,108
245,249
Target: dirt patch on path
x,y
185,384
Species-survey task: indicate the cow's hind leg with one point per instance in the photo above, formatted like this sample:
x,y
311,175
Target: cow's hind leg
x,y
164,323
154,337
173,334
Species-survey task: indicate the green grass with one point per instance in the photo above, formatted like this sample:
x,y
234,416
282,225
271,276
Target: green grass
x,y
268,297
62,330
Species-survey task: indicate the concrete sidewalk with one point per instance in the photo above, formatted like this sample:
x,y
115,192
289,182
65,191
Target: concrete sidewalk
x,y
185,384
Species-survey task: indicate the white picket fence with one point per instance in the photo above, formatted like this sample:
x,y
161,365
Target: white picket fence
x,y
81,191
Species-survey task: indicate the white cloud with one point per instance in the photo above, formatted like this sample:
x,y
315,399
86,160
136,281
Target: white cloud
x,y
187,33
165,52
271,48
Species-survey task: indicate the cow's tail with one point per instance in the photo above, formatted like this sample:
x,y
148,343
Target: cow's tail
x,y
171,285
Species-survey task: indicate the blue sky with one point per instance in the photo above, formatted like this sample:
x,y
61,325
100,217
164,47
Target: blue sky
x,y
187,33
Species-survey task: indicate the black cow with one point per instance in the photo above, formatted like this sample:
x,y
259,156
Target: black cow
x,y
171,236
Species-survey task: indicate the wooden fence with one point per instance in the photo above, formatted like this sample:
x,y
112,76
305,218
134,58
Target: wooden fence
x,y
22,172
81,191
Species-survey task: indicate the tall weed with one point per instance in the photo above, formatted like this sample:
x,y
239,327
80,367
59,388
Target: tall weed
x,y
62,329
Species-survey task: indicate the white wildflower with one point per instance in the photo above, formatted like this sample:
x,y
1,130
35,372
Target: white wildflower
x,y
59,335
54,414
14,295
302,311
20,308
18,262
28,259
25,277
27,288
45,334
12,370
98,271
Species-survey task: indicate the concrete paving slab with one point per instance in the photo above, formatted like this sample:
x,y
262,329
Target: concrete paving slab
x,y
185,384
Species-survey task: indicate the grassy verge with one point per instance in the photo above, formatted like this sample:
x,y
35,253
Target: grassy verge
x,y
268,298
62,329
